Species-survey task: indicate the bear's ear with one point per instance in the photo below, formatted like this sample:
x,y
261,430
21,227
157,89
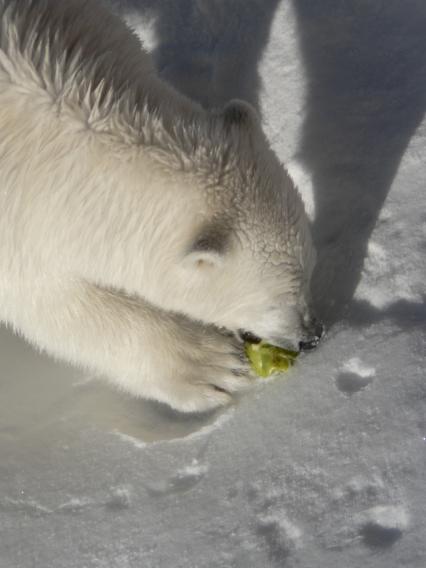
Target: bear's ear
x,y
209,247
239,113
202,260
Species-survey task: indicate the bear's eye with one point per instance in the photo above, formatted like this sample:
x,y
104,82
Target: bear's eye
x,y
211,238
205,244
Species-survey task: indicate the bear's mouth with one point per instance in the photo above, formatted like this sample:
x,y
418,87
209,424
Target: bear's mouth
x,y
308,344
248,336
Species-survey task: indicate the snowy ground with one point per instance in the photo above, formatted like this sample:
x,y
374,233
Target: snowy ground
x,y
322,468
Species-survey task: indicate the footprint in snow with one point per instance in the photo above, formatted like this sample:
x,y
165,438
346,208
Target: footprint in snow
x,y
381,527
119,498
280,534
354,376
183,480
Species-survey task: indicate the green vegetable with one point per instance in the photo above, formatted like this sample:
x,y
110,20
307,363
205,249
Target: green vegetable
x,y
267,359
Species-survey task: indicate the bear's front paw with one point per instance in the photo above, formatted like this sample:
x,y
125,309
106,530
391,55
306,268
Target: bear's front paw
x,y
206,367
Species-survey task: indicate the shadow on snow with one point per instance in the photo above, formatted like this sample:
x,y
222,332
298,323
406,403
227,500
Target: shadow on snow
x,y
208,49
366,71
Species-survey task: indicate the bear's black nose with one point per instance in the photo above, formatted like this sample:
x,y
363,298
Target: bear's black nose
x,y
311,342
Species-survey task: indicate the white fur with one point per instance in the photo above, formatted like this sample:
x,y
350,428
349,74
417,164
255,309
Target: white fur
x,y
99,206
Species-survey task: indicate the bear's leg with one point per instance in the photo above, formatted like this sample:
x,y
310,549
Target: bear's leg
x,y
141,349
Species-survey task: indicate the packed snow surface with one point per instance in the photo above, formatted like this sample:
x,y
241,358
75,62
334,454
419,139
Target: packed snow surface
x,y
325,466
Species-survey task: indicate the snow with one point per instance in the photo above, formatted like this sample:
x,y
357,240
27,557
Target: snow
x,y
324,466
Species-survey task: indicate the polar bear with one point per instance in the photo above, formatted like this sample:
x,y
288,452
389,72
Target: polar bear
x,y
141,236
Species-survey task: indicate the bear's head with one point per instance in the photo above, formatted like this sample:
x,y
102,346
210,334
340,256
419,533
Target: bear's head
x,y
246,263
